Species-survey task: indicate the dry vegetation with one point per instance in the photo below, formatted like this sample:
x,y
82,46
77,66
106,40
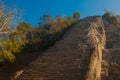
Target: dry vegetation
x,y
24,38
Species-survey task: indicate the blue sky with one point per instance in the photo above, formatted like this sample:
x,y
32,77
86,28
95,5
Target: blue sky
x,y
34,9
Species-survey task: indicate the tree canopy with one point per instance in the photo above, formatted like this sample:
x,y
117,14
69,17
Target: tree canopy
x,y
76,15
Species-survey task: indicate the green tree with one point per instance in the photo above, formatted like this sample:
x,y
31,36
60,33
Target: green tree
x,y
76,15
46,20
10,44
24,27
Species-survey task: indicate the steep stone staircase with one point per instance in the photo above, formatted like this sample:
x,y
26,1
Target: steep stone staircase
x,y
62,61
90,50
71,58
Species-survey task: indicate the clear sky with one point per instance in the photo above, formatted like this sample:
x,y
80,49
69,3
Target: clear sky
x,y
34,9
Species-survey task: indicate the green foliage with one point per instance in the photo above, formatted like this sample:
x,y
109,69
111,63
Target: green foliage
x,y
42,37
24,27
76,15
8,56
28,39
15,42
